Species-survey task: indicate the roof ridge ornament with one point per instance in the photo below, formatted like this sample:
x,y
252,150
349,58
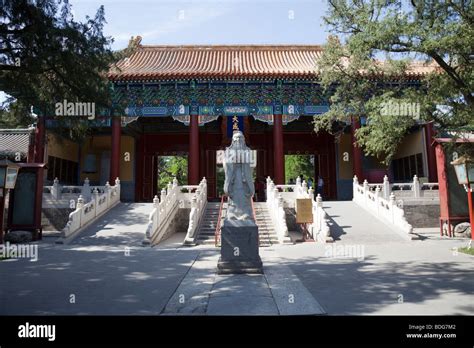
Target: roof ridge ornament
x,y
135,41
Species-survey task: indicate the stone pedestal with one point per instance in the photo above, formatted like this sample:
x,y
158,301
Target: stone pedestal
x,y
239,248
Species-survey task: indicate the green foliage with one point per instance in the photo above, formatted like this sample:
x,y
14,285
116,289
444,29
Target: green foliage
x,y
15,115
170,167
467,250
296,165
47,57
440,32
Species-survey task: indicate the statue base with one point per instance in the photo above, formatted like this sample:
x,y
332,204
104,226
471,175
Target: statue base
x,y
239,248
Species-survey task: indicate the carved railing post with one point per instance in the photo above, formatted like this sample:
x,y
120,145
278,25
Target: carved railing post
x,y
107,193
56,189
304,188
386,187
355,185
86,190
319,201
365,185
80,203
118,188
377,198
95,193
416,187
325,229
282,218
392,204
163,195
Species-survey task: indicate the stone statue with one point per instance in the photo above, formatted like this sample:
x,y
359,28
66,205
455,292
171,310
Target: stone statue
x,y
239,232
238,185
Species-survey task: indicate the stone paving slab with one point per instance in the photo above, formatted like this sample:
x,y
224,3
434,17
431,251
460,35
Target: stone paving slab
x,y
277,291
241,294
103,281
431,277
242,305
289,293
192,294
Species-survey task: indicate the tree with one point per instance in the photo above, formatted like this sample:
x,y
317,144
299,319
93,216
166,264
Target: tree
x,y
296,165
14,115
170,167
440,33
47,57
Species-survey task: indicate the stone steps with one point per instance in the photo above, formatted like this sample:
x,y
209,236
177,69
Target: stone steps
x,y
267,235
207,229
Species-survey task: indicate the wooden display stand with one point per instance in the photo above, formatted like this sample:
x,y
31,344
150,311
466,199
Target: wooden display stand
x,y
304,216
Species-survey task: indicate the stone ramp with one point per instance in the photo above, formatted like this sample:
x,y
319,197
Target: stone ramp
x,y
352,224
123,225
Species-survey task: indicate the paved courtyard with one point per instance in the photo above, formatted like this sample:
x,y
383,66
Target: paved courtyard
x,y
370,269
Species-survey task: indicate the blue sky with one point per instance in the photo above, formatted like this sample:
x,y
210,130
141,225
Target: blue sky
x,y
213,22
210,21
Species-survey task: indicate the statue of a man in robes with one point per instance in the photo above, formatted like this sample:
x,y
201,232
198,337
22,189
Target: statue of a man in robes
x,y
238,185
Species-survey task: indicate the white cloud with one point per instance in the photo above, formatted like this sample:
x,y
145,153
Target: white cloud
x,y
185,19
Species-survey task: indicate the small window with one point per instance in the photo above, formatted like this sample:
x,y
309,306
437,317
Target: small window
x,y
405,168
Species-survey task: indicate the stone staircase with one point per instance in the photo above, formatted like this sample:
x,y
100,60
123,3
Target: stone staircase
x,y
267,235
207,228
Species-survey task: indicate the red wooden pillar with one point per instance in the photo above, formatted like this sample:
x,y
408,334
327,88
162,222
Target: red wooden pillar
x,y
443,188
471,209
193,160
356,151
430,152
115,151
279,156
139,163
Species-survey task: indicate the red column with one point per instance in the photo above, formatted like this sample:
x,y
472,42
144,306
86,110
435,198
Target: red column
x,y
443,186
139,164
471,210
356,151
115,152
430,152
193,160
279,156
